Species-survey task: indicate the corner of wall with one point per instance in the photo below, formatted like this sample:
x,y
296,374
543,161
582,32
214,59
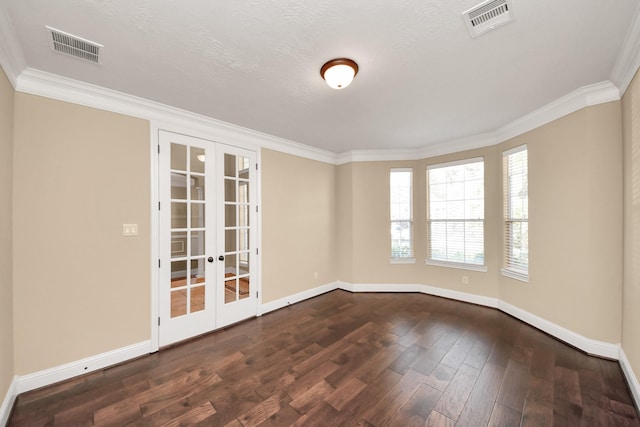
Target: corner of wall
x,y
630,346
7,358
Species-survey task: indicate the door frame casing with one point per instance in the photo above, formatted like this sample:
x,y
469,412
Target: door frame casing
x,y
205,133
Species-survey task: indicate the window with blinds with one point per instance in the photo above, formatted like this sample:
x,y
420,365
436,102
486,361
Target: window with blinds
x,y
516,213
400,196
455,214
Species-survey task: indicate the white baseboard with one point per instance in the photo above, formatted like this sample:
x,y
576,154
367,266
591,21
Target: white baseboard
x,y
79,367
300,296
425,289
7,403
589,346
632,380
29,382
597,348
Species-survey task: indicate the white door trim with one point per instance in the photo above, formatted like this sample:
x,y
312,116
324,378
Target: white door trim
x,y
154,236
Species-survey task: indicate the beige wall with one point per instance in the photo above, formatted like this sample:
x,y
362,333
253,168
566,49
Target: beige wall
x,y
80,287
298,224
6,257
575,223
631,287
368,205
344,222
575,166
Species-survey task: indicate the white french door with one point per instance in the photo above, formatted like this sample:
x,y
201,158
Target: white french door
x,y
207,236
237,298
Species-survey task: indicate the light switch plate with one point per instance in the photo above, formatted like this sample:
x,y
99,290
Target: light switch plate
x,y
129,229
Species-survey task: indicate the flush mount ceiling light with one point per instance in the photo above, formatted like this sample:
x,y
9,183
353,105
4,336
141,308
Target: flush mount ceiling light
x,y
339,73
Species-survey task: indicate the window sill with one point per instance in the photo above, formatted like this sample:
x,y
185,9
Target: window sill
x,y
402,260
515,274
457,265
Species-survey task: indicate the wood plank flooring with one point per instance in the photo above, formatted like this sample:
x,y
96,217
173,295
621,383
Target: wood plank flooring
x,y
345,359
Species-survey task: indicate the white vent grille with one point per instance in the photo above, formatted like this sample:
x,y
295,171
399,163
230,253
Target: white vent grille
x,y
488,16
71,45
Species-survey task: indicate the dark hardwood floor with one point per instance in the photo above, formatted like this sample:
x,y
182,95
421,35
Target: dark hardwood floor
x,y
345,359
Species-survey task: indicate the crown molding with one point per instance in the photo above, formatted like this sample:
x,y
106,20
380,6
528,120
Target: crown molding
x,y
375,155
628,59
585,96
166,117
49,85
457,145
433,150
11,57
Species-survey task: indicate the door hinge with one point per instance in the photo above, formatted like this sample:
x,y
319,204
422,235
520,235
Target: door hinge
x,y
257,251
158,205
158,321
158,263
158,148
256,208
257,294
256,166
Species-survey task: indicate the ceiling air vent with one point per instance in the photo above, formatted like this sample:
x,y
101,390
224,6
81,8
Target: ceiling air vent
x,y
69,44
488,16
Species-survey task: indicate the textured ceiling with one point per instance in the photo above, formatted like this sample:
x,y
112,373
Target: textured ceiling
x,y
422,79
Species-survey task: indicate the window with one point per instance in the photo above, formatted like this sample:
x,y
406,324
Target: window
x,y
516,213
455,214
401,215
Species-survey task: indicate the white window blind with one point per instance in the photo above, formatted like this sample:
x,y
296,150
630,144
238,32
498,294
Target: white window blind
x,y
400,196
516,212
456,212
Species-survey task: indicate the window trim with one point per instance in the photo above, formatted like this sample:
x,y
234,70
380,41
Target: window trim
x,y
453,264
398,260
457,265
409,259
512,271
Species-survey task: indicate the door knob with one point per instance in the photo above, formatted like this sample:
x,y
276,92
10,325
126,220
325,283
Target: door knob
x,y
210,259
221,258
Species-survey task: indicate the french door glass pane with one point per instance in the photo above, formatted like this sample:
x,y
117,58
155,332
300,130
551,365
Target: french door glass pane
x,y
178,244
230,240
230,263
197,215
178,215
197,160
197,299
197,243
230,287
178,186
178,302
197,187
229,165
179,157
178,274
243,287
229,190
230,215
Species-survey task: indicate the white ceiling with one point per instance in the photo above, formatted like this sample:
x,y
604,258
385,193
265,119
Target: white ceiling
x,y
422,81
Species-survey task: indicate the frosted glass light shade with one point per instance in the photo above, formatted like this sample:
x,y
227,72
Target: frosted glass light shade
x,y
339,73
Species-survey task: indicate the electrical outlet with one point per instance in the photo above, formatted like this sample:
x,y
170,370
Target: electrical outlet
x,y
465,280
129,229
